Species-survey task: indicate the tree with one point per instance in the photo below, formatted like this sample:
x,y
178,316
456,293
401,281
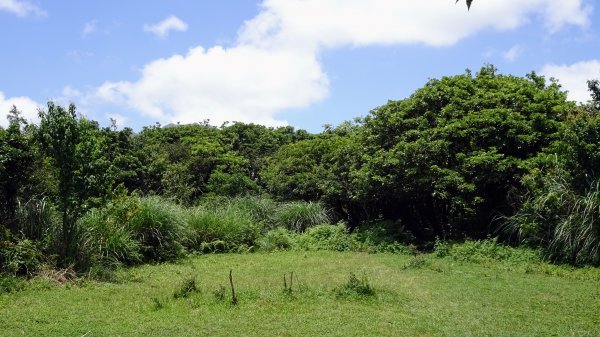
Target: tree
x,y
59,135
594,88
16,162
445,160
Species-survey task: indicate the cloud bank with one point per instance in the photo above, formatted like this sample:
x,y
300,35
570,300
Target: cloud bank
x,y
274,64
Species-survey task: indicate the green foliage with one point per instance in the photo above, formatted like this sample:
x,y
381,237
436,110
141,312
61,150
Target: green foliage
x,y
277,239
105,239
220,228
300,215
444,160
18,257
16,166
231,184
479,251
10,284
564,223
327,237
355,287
38,220
159,226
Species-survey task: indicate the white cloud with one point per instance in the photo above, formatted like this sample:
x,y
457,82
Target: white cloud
x,y
26,105
512,54
559,13
90,27
574,77
21,8
274,64
163,28
243,83
333,23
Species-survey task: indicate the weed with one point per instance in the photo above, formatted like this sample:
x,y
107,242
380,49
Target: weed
x,y
355,287
417,262
158,303
187,287
9,284
219,293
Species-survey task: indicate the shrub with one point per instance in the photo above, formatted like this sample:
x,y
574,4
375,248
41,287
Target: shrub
x,y
300,215
490,249
328,237
277,239
9,284
19,257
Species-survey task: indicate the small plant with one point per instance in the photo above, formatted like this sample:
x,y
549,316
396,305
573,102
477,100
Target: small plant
x,y
186,288
9,284
417,262
219,294
157,303
355,287
441,248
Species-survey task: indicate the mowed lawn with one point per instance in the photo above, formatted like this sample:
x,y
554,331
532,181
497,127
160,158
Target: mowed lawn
x,y
431,297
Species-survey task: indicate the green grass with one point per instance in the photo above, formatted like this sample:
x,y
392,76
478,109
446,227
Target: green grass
x,y
439,297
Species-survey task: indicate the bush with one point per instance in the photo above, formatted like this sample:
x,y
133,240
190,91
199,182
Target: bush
x,y
300,215
490,249
18,257
9,284
277,239
328,237
187,287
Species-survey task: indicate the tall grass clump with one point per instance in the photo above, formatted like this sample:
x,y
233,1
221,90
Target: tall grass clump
x,y
38,220
130,230
214,228
259,208
159,227
300,215
564,223
105,240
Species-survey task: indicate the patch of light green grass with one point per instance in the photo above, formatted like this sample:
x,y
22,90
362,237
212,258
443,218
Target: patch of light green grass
x,y
439,297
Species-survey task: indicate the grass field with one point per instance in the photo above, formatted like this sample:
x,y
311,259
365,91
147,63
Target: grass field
x,y
413,297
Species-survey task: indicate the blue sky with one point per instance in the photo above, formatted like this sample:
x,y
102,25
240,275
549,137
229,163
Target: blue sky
x,y
300,62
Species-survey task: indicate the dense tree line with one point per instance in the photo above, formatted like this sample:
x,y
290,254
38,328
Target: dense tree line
x,y
471,155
